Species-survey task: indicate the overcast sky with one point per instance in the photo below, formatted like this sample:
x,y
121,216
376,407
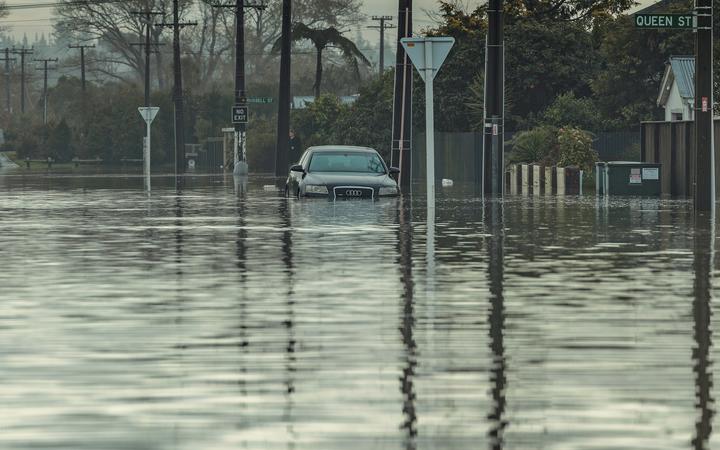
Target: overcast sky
x,y
38,20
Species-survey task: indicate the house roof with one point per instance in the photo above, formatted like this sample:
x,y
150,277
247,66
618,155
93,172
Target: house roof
x,y
681,70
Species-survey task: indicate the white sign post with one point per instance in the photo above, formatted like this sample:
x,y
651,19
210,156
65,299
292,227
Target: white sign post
x,y
427,55
148,114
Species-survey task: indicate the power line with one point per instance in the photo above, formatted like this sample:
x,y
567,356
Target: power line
x,y
56,4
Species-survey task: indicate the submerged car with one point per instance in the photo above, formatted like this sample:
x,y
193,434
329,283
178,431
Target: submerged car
x,y
345,172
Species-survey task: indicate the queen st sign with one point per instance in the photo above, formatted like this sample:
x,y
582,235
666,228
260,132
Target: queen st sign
x,y
683,21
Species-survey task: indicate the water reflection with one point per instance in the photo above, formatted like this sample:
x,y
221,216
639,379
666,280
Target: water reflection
x,y
495,227
540,323
407,322
704,250
289,322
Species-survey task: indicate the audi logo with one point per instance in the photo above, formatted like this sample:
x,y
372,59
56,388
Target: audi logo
x,y
354,193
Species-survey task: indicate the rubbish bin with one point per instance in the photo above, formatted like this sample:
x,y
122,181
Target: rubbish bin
x,y
628,178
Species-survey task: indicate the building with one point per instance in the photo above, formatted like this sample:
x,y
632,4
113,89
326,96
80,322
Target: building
x,y
677,90
301,102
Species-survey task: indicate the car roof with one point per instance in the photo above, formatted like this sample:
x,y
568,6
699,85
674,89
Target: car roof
x,y
342,148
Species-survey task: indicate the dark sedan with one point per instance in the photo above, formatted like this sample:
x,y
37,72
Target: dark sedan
x,y
337,172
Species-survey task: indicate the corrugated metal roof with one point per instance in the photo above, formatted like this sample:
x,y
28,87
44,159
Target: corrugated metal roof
x,y
683,68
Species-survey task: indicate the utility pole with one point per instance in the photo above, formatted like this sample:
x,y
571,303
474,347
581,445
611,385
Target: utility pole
x,y
45,69
282,146
82,61
401,150
240,150
176,26
383,26
704,197
147,45
23,52
7,60
493,164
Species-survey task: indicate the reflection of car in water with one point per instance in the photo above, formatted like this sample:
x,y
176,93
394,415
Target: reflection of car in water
x,y
336,172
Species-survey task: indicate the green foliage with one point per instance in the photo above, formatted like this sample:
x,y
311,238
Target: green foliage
x,y
59,142
575,149
365,122
539,145
626,86
318,124
569,110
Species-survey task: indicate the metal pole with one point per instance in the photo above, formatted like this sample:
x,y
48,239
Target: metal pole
x,y
147,155
493,141
429,125
282,147
240,96
704,197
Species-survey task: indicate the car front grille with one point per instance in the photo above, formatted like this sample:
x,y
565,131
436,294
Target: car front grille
x,y
350,192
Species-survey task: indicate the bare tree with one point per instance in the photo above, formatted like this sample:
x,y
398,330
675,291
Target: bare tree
x,y
114,27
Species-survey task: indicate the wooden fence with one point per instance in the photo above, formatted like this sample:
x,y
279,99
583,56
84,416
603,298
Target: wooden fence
x,y
672,145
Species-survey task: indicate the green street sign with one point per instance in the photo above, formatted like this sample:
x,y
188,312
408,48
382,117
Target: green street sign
x,y
259,99
683,21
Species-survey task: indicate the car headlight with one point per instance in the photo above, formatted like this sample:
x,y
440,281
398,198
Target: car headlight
x,y
316,189
388,191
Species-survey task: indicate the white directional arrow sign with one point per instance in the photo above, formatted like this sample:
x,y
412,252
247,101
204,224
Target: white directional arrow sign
x,y
148,114
428,55
416,51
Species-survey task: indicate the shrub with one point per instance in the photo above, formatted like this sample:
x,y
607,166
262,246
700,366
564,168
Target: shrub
x,y
538,145
575,149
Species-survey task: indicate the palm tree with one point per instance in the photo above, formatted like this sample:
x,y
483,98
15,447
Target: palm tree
x,y
323,38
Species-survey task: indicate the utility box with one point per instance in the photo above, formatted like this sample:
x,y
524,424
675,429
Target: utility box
x,y
628,178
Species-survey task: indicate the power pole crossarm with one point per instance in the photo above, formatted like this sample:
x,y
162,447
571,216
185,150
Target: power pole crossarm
x,y
82,61
23,52
45,69
178,101
7,60
382,27
240,94
148,15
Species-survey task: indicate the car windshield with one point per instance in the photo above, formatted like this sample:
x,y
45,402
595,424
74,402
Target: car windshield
x,y
359,162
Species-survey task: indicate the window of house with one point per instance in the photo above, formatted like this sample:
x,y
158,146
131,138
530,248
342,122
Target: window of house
x,y
676,116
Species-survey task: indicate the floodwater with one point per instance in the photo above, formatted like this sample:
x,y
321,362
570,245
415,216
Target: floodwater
x,y
227,317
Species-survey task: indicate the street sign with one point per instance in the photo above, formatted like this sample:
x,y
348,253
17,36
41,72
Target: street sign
x,y
240,114
684,21
428,55
260,100
148,114
415,49
704,104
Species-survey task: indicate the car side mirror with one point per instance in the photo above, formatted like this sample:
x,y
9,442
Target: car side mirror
x,y
297,168
394,171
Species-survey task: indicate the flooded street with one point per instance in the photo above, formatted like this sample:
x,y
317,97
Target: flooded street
x,y
228,317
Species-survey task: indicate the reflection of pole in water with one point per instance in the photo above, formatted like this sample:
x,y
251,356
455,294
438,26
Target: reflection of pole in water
x,y
289,323
178,236
496,276
241,254
407,325
702,265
